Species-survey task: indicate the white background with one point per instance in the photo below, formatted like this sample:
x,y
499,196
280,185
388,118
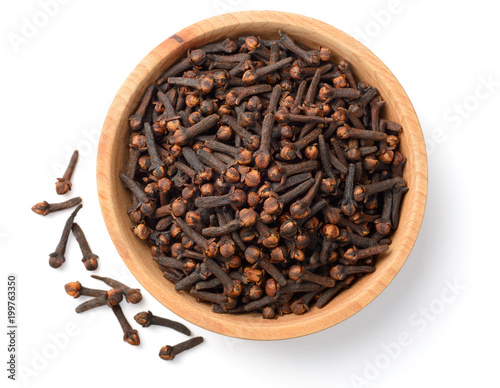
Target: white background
x,y
56,87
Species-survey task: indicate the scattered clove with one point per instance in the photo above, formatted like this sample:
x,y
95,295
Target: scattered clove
x,y
75,289
89,259
132,295
146,319
63,185
44,208
129,334
111,298
169,352
57,257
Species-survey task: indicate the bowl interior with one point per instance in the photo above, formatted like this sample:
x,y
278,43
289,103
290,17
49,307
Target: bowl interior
x,y
115,200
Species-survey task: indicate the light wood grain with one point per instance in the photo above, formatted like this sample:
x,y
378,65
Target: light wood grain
x,y
115,200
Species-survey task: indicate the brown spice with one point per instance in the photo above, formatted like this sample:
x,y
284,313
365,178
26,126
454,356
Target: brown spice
x,y
225,196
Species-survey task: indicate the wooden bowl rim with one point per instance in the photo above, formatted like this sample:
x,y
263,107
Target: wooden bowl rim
x,y
254,327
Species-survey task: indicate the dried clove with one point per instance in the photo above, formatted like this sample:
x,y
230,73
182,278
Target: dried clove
x,y
353,255
111,298
132,295
136,119
129,334
340,272
63,185
75,289
146,319
299,273
246,218
89,259
57,258
169,352
44,208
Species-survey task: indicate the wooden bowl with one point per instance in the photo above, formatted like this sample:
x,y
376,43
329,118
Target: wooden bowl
x,y
115,199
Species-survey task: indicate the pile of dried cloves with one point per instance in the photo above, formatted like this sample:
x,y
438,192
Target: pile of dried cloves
x,y
263,176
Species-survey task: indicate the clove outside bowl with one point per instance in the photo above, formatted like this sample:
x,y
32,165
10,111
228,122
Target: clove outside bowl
x,y
115,199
